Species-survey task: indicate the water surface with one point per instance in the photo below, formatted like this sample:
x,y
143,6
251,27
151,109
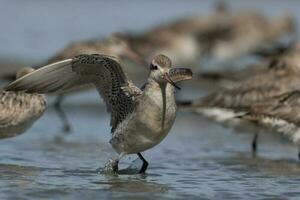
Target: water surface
x,y
198,159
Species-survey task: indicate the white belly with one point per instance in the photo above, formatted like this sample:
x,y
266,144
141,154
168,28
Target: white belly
x,y
146,126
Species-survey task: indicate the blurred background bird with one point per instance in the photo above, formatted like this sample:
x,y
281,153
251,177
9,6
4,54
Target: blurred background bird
x,y
19,110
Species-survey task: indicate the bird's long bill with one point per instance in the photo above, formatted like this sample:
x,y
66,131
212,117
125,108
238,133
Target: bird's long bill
x,y
180,74
167,78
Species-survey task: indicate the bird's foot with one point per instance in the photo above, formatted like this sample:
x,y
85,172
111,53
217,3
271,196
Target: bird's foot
x,y
115,166
254,145
111,167
67,129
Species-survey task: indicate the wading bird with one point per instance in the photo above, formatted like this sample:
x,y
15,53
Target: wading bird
x,y
225,105
140,119
280,114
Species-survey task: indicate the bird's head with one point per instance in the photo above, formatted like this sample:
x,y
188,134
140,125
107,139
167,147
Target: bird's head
x,y
162,72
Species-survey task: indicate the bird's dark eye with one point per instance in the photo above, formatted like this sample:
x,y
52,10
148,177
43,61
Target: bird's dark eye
x,y
153,67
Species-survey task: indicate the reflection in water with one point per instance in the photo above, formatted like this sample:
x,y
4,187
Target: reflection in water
x,y
267,167
18,174
131,184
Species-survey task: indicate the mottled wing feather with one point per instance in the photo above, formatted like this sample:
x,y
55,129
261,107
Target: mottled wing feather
x,y
285,107
251,91
17,108
103,71
111,83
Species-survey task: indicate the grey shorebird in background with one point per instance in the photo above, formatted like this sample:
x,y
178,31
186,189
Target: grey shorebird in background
x,y
225,105
278,58
19,110
280,114
140,119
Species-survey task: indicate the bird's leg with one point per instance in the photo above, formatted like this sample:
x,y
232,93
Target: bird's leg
x,y
145,164
299,155
115,163
62,115
254,144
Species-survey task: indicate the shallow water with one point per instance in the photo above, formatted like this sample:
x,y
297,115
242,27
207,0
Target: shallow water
x,y
198,160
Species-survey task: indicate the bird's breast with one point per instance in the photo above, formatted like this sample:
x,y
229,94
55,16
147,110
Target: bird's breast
x,y
157,111
148,124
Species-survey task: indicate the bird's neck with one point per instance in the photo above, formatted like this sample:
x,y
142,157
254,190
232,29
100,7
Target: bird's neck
x,y
164,93
163,87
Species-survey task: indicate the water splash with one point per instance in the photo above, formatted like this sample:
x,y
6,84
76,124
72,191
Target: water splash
x,y
108,168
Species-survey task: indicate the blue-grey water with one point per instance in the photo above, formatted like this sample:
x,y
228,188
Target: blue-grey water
x,y
198,160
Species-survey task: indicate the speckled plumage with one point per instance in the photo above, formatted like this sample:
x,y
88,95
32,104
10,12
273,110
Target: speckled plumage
x,y
274,82
281,114
18,111
112,45
112,84
101,70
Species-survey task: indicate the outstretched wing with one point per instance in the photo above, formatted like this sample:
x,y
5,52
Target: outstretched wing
x,y
103,71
